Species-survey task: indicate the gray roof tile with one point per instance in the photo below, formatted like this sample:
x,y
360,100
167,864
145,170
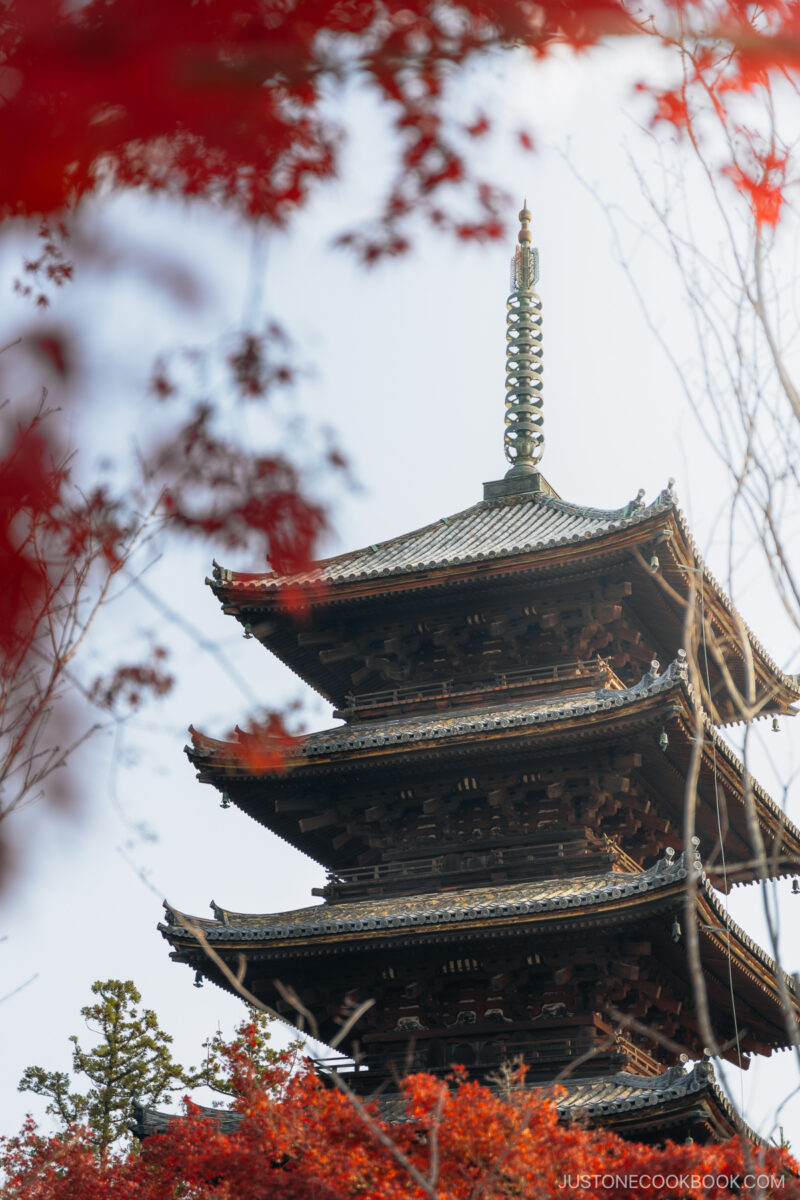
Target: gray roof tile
x,y
456,907
610,1095
390,912
454,722
487,530
419,730
491,530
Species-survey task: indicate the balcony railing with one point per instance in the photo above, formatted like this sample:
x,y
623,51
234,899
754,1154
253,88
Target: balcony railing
x,y
437,1050
485,1054
447,870
596,670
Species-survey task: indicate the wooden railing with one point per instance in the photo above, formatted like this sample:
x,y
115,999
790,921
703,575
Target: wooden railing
x,y
481,1049
521,677
443,869
416,1053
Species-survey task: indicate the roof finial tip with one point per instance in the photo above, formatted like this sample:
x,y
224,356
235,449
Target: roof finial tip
x,y
524,235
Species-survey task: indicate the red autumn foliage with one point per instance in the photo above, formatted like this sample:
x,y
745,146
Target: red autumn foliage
x,y
60,549
130,684
763,188
48,531
224,100
215,488
263,745
298,1139
227,100
253,372
50,269
672,107
30,490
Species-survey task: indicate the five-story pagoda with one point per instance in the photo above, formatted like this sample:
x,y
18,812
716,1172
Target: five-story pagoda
x,y
501,809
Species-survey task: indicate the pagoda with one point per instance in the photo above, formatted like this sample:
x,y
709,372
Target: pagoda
x,y
501,807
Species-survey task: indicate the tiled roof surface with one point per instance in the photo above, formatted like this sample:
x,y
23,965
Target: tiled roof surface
x,y
149,1121
455,722
452,908
491,530
620,1093
418,730
391,912
487,530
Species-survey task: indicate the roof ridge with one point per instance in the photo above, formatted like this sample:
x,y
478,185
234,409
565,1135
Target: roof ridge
x,y
554,707
569,704
664,501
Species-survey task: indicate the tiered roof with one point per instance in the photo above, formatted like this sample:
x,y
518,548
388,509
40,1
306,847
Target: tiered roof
x,y
658,701
652,1107
532,535
490,530
535,910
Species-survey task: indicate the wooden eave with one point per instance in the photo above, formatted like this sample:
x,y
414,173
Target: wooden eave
x,y
757,981
277,632
757,995
573,559
260,795
227,766
577,560
702,1113
253,793
678,568
722,774
685,1116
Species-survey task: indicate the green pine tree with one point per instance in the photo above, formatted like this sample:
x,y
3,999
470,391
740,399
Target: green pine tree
x,y
131,1061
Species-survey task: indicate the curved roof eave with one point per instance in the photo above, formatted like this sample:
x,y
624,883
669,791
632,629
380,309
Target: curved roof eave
x,y
483,533
451,913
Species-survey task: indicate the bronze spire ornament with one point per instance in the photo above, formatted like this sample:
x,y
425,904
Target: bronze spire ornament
x,y
524,440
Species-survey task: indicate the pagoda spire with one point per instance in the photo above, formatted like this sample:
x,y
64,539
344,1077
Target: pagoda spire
x,y
523,439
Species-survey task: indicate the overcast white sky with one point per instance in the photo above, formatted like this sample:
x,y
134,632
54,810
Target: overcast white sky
x,y
409,370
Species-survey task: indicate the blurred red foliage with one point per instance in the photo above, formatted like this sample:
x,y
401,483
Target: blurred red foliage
x,y
220,490
30,491
227,100
129,685
264,745
763,185
49,532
